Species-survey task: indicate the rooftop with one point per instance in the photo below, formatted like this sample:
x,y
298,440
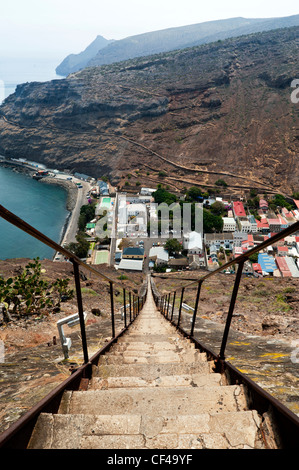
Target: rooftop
x,y
267,262
195,240
239,209
219,236
160,252
131,264
133,251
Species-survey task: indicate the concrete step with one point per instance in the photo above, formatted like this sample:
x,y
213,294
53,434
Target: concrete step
x,y
130,338
190,380
153,346
149,371
154,401
157,357
234,430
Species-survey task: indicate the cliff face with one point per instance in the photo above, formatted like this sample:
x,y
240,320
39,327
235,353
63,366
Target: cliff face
x,y
219,110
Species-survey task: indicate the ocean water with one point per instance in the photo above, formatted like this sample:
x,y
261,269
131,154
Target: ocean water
x,y
14,71
41,205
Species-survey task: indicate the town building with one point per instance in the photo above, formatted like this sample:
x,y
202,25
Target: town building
x,y
274,225
263,225
196,262
159,255
267,263
225,240
178,263
287,266
131,264
132,252
238,209
193,243
263,205
244,225
104,189
229,224
253,223
147,191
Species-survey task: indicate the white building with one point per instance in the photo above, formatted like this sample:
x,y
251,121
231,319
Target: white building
x,y
193,243
253,223
159,255
239,237
131,264
226,240
147,191
136,209
229,224
245,226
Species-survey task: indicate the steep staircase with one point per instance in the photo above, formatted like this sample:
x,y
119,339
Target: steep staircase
x,y
152,390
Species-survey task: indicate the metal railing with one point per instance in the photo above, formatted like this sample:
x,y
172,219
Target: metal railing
x,y
287,420
18,434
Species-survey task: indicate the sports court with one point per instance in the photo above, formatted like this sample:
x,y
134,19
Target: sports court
x,y
101,257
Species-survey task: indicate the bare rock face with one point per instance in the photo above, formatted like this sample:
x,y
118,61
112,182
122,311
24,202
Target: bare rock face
x,y
274,324
221,110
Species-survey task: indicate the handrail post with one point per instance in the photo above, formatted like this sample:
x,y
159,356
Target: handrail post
x,y
231,309
133,306
167,311
195,308
181,302
125,308
80,310
112,309
173,305
130,302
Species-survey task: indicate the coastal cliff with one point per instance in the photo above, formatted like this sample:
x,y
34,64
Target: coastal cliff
x,y
221,110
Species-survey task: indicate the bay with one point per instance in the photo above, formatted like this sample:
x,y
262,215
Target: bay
x,y
41,205
14,71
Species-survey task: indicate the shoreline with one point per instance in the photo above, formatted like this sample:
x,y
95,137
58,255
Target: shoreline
x,y
72,199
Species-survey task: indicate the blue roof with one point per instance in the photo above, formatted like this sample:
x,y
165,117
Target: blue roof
x,y
102,184
267,262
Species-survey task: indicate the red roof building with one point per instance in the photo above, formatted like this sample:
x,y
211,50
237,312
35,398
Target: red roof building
x,y
282,250
283,267
238,209
257,268
263,204
262,224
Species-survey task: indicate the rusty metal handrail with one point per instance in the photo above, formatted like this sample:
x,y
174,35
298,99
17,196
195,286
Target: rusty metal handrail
x,y
25,227
287,420
17,435
240,262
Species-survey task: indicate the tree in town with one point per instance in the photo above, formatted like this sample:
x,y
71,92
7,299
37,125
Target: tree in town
x,y
173,246
211,222
218,208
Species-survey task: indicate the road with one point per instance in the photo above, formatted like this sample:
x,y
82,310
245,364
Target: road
x,y
114,231
72,228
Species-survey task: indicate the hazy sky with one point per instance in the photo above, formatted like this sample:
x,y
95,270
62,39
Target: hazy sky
x,y
58,27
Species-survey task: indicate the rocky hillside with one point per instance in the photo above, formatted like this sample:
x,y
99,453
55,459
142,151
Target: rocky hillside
x,y
99,53
221,110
